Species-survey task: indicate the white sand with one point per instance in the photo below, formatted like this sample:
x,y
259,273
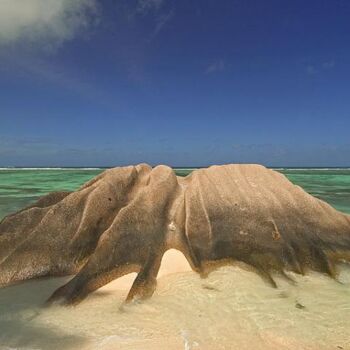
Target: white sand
x,y
231,309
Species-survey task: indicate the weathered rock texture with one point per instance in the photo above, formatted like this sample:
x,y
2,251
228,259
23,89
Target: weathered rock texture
x,y
126,218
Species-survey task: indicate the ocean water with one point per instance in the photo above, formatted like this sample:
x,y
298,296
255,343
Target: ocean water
x,y
20,187
231,309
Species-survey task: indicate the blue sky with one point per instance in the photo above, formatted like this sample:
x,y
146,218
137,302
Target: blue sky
x,y
185,82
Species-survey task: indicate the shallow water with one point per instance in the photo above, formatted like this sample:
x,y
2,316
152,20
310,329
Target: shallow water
x,y
20,187
231,309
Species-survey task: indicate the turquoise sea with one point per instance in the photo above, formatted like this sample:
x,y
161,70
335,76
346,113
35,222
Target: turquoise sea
x,y
20,187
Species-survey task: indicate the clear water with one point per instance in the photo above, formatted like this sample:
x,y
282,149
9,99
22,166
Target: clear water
x,y
231,309
19,187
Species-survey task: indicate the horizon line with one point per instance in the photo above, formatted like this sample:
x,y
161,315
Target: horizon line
x,y
86,167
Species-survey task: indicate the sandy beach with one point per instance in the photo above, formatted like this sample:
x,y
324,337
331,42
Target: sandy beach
x,y
232,308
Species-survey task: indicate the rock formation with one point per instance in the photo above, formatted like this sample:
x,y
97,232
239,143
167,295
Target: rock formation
x,y
124,220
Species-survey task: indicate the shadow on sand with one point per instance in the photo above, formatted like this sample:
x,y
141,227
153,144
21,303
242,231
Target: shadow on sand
x,y
20,305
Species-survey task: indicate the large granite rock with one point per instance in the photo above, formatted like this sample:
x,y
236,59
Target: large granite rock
x,y
126,218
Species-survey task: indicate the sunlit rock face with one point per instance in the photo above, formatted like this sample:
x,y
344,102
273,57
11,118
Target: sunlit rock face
x,y
126,218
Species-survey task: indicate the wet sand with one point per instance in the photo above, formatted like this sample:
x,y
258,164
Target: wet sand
x,y
232,308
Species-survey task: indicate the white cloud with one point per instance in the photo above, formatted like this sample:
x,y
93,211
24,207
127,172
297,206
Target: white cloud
x,y
44,22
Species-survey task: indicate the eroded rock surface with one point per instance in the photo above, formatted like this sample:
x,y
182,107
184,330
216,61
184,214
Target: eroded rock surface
x,y
126,218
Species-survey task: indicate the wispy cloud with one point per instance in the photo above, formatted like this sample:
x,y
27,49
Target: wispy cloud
x,y
161,21
217,66
328,64
316,68
145,6
160,11
311,69
46,23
